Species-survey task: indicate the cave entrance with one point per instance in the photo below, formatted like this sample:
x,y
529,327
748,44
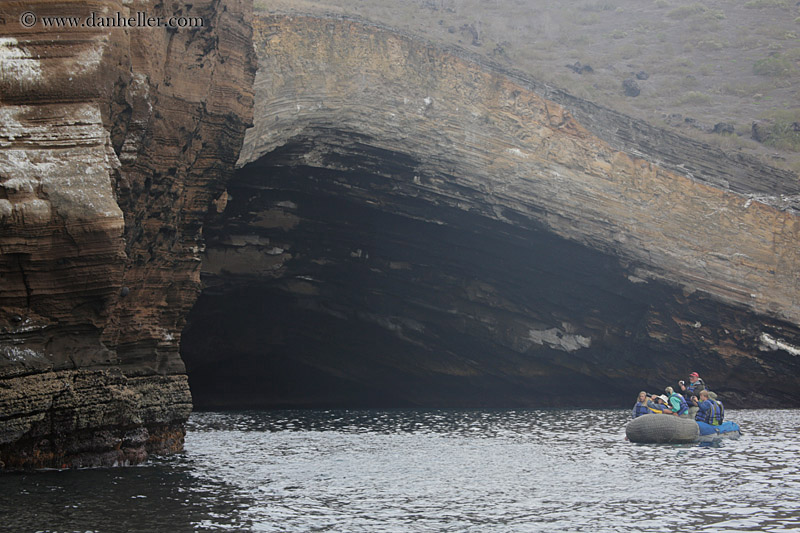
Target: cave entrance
x,y
393,240
358,282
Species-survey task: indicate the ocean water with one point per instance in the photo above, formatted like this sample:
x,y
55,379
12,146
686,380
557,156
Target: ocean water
x,y
427,470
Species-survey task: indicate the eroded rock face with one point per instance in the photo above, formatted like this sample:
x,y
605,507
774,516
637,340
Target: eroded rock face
x,y
113,145
411,227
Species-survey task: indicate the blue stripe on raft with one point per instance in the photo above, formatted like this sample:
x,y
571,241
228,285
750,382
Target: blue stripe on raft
x,y
725,427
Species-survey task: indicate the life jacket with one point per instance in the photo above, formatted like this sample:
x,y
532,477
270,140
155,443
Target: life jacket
x,y
717,413
640,409
690,389
714,415
684,407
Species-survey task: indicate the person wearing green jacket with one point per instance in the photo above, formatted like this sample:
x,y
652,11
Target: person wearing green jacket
x,y
677,403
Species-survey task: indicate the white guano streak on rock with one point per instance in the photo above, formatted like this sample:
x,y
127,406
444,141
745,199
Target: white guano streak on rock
x,y
75,179
768,342
558,339
20,353
17,63
87,61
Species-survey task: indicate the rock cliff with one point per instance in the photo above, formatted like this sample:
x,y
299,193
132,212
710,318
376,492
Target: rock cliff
x,y
413,226
114,143
409,225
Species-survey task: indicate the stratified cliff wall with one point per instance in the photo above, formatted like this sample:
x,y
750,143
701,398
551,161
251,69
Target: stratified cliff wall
x,y
114,143
414,227
409,226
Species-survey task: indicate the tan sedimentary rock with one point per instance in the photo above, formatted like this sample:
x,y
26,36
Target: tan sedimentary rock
x,y
113,143
523,152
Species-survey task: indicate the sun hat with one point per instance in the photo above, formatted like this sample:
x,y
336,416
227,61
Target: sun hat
x,y
663,397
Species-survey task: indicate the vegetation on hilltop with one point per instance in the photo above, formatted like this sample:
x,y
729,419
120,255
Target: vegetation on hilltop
x,y
696,65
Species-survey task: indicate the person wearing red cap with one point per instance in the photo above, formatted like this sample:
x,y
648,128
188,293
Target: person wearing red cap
x,y
692,391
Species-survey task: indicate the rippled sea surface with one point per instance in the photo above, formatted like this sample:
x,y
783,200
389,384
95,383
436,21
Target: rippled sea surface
x,y
428,470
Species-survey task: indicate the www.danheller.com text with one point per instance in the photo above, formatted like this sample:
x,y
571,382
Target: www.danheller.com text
x,y
139,19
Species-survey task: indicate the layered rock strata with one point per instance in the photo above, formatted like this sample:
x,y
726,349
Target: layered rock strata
x,y
114,142
414,227
411,226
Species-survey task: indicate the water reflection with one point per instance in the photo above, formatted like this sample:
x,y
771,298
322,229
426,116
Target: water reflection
x,y
435,470
160,496
461,470
481,423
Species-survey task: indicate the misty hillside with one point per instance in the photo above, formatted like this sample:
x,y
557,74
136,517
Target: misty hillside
x,y
710,69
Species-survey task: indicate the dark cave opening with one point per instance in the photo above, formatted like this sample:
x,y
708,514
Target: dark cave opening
x,y
353,283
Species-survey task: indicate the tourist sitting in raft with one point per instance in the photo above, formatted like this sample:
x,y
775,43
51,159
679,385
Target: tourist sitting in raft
x,y
643,406
646,406
662,404
652,405
691,391
711,411
677,403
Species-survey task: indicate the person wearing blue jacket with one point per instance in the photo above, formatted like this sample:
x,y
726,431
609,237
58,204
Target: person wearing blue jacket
x,y
645,406
640,407
710,411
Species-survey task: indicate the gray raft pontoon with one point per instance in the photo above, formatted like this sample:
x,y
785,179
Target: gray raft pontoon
x,y
662,429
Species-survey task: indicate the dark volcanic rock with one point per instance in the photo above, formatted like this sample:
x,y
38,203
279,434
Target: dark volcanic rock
x,y
760,132
725,128
580,68
630,87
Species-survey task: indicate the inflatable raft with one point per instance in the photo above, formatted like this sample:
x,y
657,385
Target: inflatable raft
x,y
666,429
